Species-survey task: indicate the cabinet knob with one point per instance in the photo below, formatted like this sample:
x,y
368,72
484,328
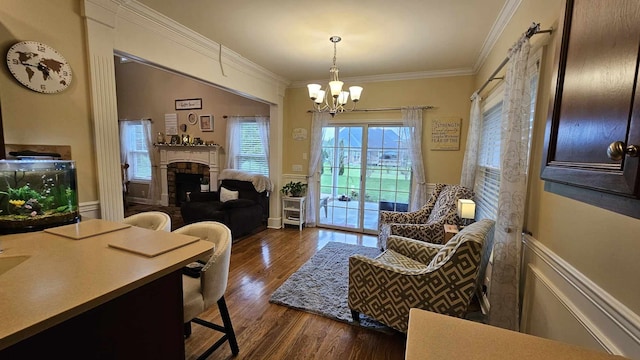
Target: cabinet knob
x,y
617,150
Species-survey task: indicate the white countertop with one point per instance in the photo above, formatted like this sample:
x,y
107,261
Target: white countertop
x,y
436,336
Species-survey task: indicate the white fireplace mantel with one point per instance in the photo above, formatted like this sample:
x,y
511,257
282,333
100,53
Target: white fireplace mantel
x,y
202,154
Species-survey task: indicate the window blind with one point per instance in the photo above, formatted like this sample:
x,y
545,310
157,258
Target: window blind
x,y
252,157
137,153
487,185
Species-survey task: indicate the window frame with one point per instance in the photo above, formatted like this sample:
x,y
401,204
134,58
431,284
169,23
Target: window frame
x,y
133,155
251,156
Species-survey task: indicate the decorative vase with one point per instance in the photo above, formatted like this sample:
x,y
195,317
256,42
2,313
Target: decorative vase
x,y
204,187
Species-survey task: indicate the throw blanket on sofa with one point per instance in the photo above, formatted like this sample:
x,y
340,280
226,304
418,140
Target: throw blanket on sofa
x,y
260,182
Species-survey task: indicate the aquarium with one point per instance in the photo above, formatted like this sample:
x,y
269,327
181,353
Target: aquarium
x,y
37,194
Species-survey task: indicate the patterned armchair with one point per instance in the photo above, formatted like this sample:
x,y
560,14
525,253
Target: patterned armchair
x,y
416,274
427,223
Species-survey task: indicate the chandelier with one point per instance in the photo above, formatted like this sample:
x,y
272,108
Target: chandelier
x,y
337,100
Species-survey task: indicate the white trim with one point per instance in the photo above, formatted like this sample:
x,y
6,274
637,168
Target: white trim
x,y
498,27
293,177
127,27
89,209
611,324
150,19
392,77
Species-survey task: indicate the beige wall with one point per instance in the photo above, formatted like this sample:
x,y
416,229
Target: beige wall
x,y
50,119
600,244
449,96
148,92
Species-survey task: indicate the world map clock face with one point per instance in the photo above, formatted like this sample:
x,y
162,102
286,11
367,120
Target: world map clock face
x,y
39,67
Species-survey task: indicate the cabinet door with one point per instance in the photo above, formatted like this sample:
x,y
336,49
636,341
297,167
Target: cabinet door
x,y
597,99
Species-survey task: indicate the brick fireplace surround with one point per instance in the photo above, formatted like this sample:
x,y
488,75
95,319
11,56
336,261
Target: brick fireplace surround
x,y
201,160
182,168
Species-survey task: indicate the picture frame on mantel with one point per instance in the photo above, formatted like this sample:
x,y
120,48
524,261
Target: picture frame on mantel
x,y
189,104
206,122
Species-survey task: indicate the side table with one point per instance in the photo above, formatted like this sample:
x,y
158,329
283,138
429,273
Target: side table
x,y
293,211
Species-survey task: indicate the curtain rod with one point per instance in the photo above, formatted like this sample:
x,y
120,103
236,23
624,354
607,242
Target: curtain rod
x,y
423,107
136,119
532,30
246,116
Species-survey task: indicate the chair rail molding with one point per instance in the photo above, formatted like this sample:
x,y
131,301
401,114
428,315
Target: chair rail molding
x,y
609,323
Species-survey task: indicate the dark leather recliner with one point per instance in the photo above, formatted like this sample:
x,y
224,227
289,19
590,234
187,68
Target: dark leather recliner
x,y
243,216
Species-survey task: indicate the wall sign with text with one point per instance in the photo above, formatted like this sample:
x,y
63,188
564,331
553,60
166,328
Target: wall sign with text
x,y
445,134
188,104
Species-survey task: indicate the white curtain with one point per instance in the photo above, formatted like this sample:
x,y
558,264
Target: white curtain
x,y
263,131
127,134
318,121
412,118
124,135
505,278
470,161
154,185
233,147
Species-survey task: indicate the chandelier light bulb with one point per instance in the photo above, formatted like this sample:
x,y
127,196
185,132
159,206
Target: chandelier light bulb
x,y
314,90
336,88
355,93
343,97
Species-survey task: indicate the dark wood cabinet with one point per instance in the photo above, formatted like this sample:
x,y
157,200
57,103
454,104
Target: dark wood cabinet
x,y
596,103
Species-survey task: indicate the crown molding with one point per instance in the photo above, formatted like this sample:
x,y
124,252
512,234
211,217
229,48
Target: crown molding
x,y
390,77
142,15
497,29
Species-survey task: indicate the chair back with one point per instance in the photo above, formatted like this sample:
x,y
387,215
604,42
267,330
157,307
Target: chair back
x,y
152,220
445,208
215,274
422,214
467,245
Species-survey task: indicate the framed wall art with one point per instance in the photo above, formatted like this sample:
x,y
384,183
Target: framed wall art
x,y
192,118
188,104
445,134
206,122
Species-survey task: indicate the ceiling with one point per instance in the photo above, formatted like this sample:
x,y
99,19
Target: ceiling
x,y
380,38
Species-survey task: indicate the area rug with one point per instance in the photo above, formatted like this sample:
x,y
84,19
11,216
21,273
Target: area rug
x,y
321,285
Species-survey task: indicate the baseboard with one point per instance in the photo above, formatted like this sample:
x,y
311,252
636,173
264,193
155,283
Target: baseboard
x,y
605,323
89,210
274,223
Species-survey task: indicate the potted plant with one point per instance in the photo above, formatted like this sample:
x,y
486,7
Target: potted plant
x,y
294,189
204,184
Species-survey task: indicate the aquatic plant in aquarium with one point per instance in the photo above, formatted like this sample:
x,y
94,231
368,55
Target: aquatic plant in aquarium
x,y
37,194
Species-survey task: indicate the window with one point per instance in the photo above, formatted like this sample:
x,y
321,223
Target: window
x,y
134,142
251,156
487,185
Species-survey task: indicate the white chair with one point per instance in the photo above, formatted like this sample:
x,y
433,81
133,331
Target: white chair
x,y
152,220
201,293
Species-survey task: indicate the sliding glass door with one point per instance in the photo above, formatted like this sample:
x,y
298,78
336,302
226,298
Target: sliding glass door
x,y
365,168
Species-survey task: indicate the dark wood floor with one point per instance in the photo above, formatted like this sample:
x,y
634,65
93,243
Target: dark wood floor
x,y
259,265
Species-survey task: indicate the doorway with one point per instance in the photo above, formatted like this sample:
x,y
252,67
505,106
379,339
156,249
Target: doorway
x,y
364,169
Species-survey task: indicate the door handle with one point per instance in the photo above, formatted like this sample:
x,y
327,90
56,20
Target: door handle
x,y
618,149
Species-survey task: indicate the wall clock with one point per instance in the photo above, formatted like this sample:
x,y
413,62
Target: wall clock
x,y
39,67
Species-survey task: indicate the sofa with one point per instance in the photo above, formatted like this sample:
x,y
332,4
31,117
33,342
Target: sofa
x,y
244,212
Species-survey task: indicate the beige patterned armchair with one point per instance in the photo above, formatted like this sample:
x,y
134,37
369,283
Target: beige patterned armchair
x,y
427,223
416,274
